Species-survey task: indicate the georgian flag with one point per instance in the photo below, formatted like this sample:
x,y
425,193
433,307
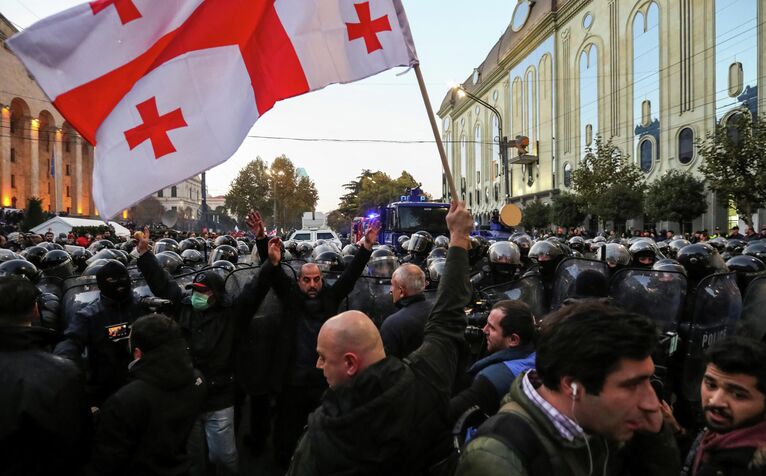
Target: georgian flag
x,y
168,89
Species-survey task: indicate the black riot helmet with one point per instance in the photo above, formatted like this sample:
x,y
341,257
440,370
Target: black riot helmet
x,y
577,243
675,246
441,241
747,269
223,267
170,261
615,255
476,252
192,257
99,245
106,254
113,281
735,246
669,264
329,261
242,248
504,257
402,239
34,254
7,255
719,243
547,255
382,263
524,242
304,250
225,240
644,254
123,256
700,260
350,250
20,267
420,243
80,257
57,264
188,244
436,269
756,249
436,253
225,253
165,244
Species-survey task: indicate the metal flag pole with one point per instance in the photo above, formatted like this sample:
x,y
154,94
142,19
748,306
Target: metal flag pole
x,y
435,129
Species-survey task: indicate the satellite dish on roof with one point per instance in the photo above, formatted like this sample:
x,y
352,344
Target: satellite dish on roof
x,y
169,218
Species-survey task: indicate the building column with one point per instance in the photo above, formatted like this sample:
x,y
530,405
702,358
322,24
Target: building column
x,y
58,180
77,196
5,156
34,135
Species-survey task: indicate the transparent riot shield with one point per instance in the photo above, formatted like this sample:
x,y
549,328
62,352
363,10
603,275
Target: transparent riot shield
x,y
528,289
78,293
372,296
566,274
717,310
238,279
658,295
51,285
753,323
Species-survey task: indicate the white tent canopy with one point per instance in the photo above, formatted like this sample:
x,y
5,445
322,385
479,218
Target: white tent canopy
x,y
65,224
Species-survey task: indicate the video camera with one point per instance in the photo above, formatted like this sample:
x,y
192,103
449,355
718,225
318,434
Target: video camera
x,y
155,304
476,318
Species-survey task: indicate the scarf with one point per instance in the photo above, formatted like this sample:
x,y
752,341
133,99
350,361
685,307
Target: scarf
x,y
749,437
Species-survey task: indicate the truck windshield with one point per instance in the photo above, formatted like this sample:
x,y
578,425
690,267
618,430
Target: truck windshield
x,y
431,219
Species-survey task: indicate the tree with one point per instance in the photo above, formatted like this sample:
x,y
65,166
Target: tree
x,y
566,210
338,221
535,214
733,163
250,190
292,194
603,177
675,197
34,214
147,212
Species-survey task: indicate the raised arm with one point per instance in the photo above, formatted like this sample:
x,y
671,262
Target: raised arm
x,y
345,283
436,358
160,282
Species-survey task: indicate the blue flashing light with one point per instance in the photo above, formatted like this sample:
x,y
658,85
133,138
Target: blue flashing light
x,y
373,215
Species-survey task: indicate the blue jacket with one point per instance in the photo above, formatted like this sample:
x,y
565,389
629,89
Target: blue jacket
x,y
502,367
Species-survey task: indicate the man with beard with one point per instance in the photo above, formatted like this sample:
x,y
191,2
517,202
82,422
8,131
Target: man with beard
x,y
291,367
733,394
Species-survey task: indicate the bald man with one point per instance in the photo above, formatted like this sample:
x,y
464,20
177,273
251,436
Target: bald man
x,y
383,415
402,331
291,369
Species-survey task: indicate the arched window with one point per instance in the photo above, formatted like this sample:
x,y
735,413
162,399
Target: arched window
x,y
588,96
496,145
463,158
477,148
645,154
686,145
567,175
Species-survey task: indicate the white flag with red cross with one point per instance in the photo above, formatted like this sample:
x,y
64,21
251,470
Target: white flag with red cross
x,y
168,89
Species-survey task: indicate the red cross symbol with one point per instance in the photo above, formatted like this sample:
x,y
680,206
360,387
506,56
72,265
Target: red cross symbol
x,y
125,8
367,28
155,128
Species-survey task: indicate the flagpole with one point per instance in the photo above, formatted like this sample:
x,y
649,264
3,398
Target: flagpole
x,y
435,129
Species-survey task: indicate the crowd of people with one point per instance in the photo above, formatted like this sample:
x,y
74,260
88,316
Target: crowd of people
x,y
154,354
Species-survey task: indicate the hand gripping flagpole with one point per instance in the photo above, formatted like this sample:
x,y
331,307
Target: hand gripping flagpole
x,y
434,127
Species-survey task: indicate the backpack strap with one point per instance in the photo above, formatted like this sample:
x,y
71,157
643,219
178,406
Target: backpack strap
x,y
515,428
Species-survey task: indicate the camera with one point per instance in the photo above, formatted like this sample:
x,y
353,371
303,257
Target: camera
x,y
155,304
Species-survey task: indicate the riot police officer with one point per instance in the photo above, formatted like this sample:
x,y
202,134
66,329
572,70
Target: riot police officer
x,y
504,265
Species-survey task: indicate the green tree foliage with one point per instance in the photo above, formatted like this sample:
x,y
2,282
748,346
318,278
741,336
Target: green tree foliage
x,y
371,190
338,221
734,165
146,212
608,184
250,190
535,214
675,197
34,214
566,210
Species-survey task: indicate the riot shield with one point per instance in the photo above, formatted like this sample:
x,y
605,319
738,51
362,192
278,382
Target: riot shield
x,y
372,296
238,279
51,285
528,289
753,323
717,310
658,295
566,274
78,293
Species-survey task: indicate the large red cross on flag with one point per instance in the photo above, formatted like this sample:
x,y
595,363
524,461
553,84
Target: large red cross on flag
x,y
166,90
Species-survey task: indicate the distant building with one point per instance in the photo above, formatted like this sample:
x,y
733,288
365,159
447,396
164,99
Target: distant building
x,y
300,172
41,155
184,197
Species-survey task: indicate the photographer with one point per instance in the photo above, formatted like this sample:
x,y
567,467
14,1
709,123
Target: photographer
x,y
102,327
509,333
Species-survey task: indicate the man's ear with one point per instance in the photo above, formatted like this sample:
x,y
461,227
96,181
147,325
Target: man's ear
x,y
351,361
137,353
513,340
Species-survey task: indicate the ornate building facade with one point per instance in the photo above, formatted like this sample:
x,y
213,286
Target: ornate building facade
x,y
184,197
651,75
41,155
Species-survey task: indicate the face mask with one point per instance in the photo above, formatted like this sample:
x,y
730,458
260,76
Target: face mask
x,y
117,289
200,302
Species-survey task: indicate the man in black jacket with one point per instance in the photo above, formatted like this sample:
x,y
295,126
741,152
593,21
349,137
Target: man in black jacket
x,y
143,428
44,417
402,331
210,321
108,358
383,415
308,304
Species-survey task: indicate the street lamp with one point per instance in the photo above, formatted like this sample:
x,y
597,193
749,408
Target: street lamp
x,y
502,140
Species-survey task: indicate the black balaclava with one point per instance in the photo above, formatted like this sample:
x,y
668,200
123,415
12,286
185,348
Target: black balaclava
x,y
113,281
